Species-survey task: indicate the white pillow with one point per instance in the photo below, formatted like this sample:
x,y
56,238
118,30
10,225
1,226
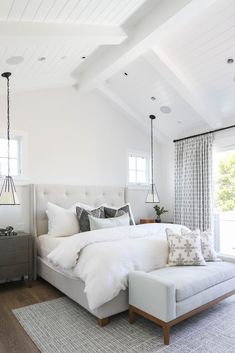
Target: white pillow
x,y
61,221
101,223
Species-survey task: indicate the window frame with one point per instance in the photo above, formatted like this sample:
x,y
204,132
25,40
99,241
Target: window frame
x,y
138,154
224,142
22,157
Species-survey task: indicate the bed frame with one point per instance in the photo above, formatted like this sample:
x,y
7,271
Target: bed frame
x,y
66,196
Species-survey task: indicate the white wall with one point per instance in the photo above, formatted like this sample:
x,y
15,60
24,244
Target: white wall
x,y
75,138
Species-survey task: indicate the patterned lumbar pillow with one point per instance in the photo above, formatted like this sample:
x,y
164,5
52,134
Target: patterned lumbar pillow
x,y
111,212
207,246
83,218
184,249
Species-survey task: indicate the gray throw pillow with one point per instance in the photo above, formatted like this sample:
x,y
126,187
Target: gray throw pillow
x,y
112,212
83,218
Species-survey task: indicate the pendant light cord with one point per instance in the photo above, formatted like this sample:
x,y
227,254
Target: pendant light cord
x,y
8,124
152,153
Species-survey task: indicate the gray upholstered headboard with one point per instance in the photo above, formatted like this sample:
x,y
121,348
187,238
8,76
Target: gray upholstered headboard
x,y
66,195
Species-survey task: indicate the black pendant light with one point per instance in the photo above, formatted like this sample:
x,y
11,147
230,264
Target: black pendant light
x,y
152,196
8,194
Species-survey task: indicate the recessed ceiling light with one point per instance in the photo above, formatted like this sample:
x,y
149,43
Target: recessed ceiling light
x,y
165,109
42,58
230,60
15,60
153,98
125,73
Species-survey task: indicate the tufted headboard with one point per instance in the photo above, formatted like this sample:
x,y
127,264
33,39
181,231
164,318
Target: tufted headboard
x,y
66,195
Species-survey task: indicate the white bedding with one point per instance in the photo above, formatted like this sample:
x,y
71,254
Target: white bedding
x,y
104,258
47,243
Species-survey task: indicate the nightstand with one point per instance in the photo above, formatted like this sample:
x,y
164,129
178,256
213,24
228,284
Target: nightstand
x,y
147,220
16,257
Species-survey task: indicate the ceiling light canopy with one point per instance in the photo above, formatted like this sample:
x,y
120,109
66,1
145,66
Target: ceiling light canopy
x,y
230,60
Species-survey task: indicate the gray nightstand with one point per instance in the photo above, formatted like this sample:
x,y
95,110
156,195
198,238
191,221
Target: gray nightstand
x,y
16,257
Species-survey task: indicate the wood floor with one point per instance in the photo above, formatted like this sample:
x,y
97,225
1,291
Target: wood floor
x,y
13,339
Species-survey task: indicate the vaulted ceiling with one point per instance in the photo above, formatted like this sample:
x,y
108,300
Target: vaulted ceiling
x,y
163,57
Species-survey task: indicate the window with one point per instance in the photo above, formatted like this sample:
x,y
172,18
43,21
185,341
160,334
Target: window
x,y
224,210
15,156
138,169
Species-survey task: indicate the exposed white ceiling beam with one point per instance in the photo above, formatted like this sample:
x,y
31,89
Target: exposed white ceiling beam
x,y
97,34
159,136
179,83
166,16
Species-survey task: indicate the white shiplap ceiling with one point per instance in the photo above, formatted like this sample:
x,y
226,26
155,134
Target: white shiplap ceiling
x,y
189,71
173,50
137,89
199,51
61,31
102,12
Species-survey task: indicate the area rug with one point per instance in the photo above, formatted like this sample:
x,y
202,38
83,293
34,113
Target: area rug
x,y
62,326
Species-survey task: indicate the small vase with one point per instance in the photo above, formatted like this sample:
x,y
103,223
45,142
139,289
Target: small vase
x,y
158,219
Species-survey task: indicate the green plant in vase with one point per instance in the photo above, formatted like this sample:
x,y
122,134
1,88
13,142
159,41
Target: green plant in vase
x,y
159,211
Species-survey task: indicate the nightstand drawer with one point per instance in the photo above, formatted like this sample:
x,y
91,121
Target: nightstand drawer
x,y
13,258
12,271
13,244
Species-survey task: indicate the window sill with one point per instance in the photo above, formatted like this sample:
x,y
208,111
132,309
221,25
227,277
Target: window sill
x,y
137,186
225,257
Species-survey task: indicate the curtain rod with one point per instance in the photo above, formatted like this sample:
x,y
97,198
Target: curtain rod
x,y
205,133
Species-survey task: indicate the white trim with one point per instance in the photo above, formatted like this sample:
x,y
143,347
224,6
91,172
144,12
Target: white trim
x,y
224,140
22,136
225,257
141,154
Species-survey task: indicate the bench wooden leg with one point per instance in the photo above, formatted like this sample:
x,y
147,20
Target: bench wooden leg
x,y
103,322
166,334
131,316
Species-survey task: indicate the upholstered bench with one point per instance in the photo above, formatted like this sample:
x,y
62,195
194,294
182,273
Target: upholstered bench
x,y
172,294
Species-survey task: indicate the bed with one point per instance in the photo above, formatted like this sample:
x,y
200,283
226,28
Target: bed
x,y
65,196
97,262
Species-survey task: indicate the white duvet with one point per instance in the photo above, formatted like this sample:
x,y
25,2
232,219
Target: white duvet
x,y
104,258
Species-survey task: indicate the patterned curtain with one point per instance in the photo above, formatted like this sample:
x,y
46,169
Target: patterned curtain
x,y
193,182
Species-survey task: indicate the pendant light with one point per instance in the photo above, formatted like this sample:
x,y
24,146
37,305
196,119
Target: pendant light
x,y
152,196
8,194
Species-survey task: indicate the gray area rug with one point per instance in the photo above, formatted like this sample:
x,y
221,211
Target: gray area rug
x,y
62,326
